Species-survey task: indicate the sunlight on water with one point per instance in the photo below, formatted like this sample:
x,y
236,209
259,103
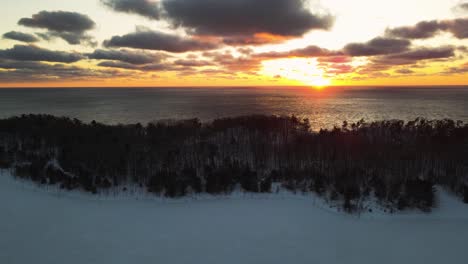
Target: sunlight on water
x,y
324,107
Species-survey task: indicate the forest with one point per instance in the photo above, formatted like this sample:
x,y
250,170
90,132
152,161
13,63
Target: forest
x,y
398,163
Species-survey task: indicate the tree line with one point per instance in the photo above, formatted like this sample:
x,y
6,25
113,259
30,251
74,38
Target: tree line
x,y
398,163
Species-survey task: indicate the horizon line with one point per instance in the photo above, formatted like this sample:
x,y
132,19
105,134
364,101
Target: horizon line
x,y
235,86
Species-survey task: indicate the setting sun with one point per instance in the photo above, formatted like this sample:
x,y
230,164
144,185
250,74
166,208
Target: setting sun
x,y
234,131
320,83
304,71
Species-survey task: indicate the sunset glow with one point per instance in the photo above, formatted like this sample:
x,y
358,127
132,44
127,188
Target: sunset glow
x,y
316,43
305,71
233,131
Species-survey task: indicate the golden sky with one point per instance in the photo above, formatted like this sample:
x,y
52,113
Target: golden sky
x,y
233,42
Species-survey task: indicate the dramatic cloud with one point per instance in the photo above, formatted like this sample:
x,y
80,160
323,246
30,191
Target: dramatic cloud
x,y
71,38
422,30
216,39
146,67
463,49
404,71
458,27
429,29
118,64
33,53
462,69
178,66
310,51
236,22
69,26
249,63
21,72
227,62
8,64
153,40
409,59
240,21
416,55
193,63
20,36
377,46
132,57
59,21
146,8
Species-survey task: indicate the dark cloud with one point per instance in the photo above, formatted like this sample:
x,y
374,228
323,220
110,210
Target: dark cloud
x,y
462,69
23,72
59,21
415,58
193,63
69,26
20,36
44,36
159,67
427,53
458,27
118,64
9,64
422,30
228,62
146,8
404,71
33,53
239,21
377,46
153,40
309,51
70,38
416,55
132,57
463,49
146,67
429,29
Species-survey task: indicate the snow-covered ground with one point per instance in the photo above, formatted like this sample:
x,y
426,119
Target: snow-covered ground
x,y
38,226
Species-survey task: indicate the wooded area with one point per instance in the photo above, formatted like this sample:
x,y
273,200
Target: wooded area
x,y
397,162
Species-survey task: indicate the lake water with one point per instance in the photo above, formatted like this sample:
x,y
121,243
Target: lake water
x,y
324,108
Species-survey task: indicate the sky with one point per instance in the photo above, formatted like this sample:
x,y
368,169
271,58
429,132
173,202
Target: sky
x,y
233,43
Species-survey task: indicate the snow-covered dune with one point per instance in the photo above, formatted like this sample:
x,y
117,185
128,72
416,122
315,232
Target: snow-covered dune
x,y
42,227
